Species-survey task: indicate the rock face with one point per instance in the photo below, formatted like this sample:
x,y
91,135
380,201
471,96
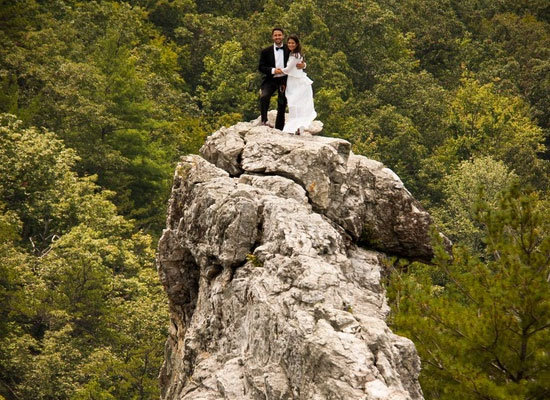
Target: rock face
x,y
271,260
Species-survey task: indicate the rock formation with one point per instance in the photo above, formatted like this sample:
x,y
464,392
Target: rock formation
x,y
271,260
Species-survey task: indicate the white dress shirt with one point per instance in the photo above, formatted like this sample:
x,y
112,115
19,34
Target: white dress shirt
x,y
279,60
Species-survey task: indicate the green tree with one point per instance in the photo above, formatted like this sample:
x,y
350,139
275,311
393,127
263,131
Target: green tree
x,y
220,95
366,32
239,8
114,94
70,267
35,168
521,61
482,323
394,139
484,122
436,29
479,177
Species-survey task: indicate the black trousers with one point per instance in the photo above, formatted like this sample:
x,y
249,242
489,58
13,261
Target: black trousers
x,y
268,88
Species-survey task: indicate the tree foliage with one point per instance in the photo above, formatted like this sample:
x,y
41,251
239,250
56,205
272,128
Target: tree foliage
x,y
70,268
105,96
482,322
474,179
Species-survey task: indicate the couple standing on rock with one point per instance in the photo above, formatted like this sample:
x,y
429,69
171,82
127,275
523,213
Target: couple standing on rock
x,y
283,64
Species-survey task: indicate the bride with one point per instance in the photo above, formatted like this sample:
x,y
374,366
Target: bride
x,y
299,94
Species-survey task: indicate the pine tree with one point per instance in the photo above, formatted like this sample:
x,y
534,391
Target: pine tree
x,y
481,323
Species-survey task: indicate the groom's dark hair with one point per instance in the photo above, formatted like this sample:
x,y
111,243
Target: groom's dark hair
x,y
277,29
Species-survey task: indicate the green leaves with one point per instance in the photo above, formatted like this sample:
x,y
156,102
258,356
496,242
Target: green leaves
x,y
484,121
113,93
220,95
106,96
70,267
481,324
35,171
478,178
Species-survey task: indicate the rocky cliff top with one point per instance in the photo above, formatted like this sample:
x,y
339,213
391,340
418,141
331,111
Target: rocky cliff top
x,y
272,260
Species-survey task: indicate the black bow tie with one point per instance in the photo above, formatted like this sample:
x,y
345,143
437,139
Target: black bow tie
x,y
279,48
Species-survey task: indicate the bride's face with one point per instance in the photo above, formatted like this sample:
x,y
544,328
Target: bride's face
x,y
291,44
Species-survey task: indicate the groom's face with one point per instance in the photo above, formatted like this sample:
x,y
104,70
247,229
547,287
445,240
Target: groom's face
x,y
278,38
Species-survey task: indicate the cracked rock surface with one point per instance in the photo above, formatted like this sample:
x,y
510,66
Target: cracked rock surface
x,y
271,260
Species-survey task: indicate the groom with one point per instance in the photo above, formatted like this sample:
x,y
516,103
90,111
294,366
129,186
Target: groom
x,y
272,60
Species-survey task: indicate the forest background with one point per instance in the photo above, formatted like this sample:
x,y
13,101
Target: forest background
x,y
99,99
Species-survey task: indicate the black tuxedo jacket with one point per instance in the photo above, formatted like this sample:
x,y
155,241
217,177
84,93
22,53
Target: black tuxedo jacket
x,y
267,61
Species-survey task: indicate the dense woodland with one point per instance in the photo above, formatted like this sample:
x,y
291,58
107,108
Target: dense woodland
x,y
99,99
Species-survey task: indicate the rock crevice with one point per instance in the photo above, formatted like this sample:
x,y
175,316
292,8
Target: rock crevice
x,y
271,294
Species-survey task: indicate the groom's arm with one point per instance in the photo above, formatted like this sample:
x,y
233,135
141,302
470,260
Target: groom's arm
x,y
264,67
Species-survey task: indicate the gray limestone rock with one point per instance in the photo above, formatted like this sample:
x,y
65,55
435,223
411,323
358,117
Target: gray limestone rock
x,y
274,292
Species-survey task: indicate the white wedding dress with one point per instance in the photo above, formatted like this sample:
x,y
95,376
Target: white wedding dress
x,y
299,96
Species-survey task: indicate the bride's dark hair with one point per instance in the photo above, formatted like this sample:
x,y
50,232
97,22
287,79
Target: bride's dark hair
x,y
298,48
